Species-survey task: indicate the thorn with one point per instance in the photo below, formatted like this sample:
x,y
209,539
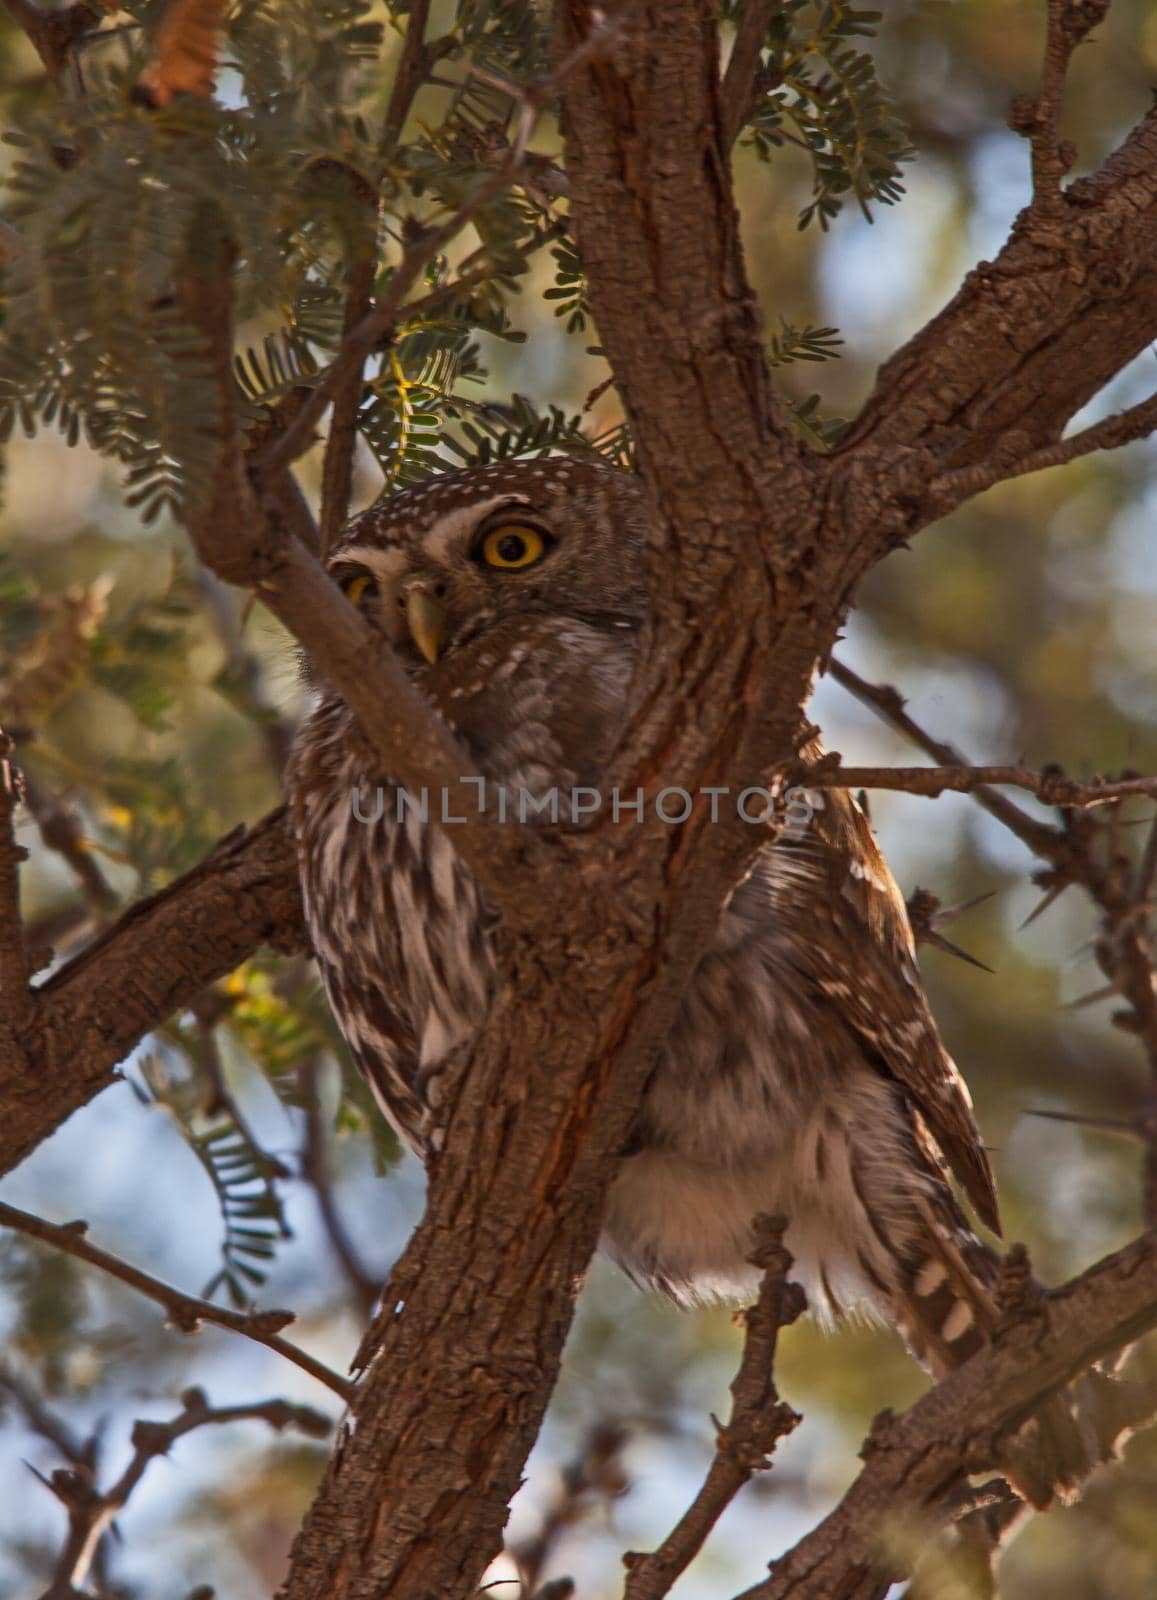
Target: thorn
x,y
36,1473
1109,1124
1052,896
1090,999
941,943
947,913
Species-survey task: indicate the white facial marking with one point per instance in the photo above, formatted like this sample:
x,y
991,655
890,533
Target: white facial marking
x,y
457,525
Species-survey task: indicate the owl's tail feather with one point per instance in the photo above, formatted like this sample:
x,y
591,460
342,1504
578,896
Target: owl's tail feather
x,y
946,1312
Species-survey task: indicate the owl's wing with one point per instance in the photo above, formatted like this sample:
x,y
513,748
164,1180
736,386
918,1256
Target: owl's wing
x,y
856,948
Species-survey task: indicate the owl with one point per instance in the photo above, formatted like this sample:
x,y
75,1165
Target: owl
x,y
804,1074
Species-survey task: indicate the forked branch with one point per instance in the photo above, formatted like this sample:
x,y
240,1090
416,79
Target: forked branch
x,y
92,1511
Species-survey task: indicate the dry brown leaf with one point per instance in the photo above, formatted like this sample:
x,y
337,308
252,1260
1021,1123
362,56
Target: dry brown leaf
x,y
185,61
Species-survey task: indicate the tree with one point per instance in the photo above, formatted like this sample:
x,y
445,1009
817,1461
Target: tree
x,y
158,210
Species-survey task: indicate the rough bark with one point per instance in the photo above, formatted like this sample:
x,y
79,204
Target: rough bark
x,y
88,1016
1028,339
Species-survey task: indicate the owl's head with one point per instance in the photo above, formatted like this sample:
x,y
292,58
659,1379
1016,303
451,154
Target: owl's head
x,y
443,565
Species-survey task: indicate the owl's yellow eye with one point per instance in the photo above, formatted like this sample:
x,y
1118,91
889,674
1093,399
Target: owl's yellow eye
x,y
358,586
513,545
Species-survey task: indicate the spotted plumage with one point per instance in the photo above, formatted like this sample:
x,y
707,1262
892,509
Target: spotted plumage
x,y
804,1073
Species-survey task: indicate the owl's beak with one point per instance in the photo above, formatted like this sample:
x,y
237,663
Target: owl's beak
x,y
427,621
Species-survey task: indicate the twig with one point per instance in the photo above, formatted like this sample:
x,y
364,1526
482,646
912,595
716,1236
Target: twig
x,y
52,34
1052,788
341,440
1069,21
280,493
1124,427
759,1419
246,675
888,703
741,82
284,504
412,65
1123,949
45,1424
11,244
595,1473
315,1172
342,437
42,1420
91,1511
185,1312
47,934
230,534
61,831
379,322
15,967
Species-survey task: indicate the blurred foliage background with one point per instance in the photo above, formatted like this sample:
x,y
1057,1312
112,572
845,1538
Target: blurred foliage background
x,y
239,1155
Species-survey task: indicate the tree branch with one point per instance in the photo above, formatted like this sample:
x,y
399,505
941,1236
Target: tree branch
x,y
1069,22
1120,429
759,1420
62,833
15,970
888,703
315,1171
1025,343
91,1512
41,1420
913,1462
594,1474
459,1365
1051,788
155,959
741,81
187,1313
235,541
411,71
341,440
53,34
